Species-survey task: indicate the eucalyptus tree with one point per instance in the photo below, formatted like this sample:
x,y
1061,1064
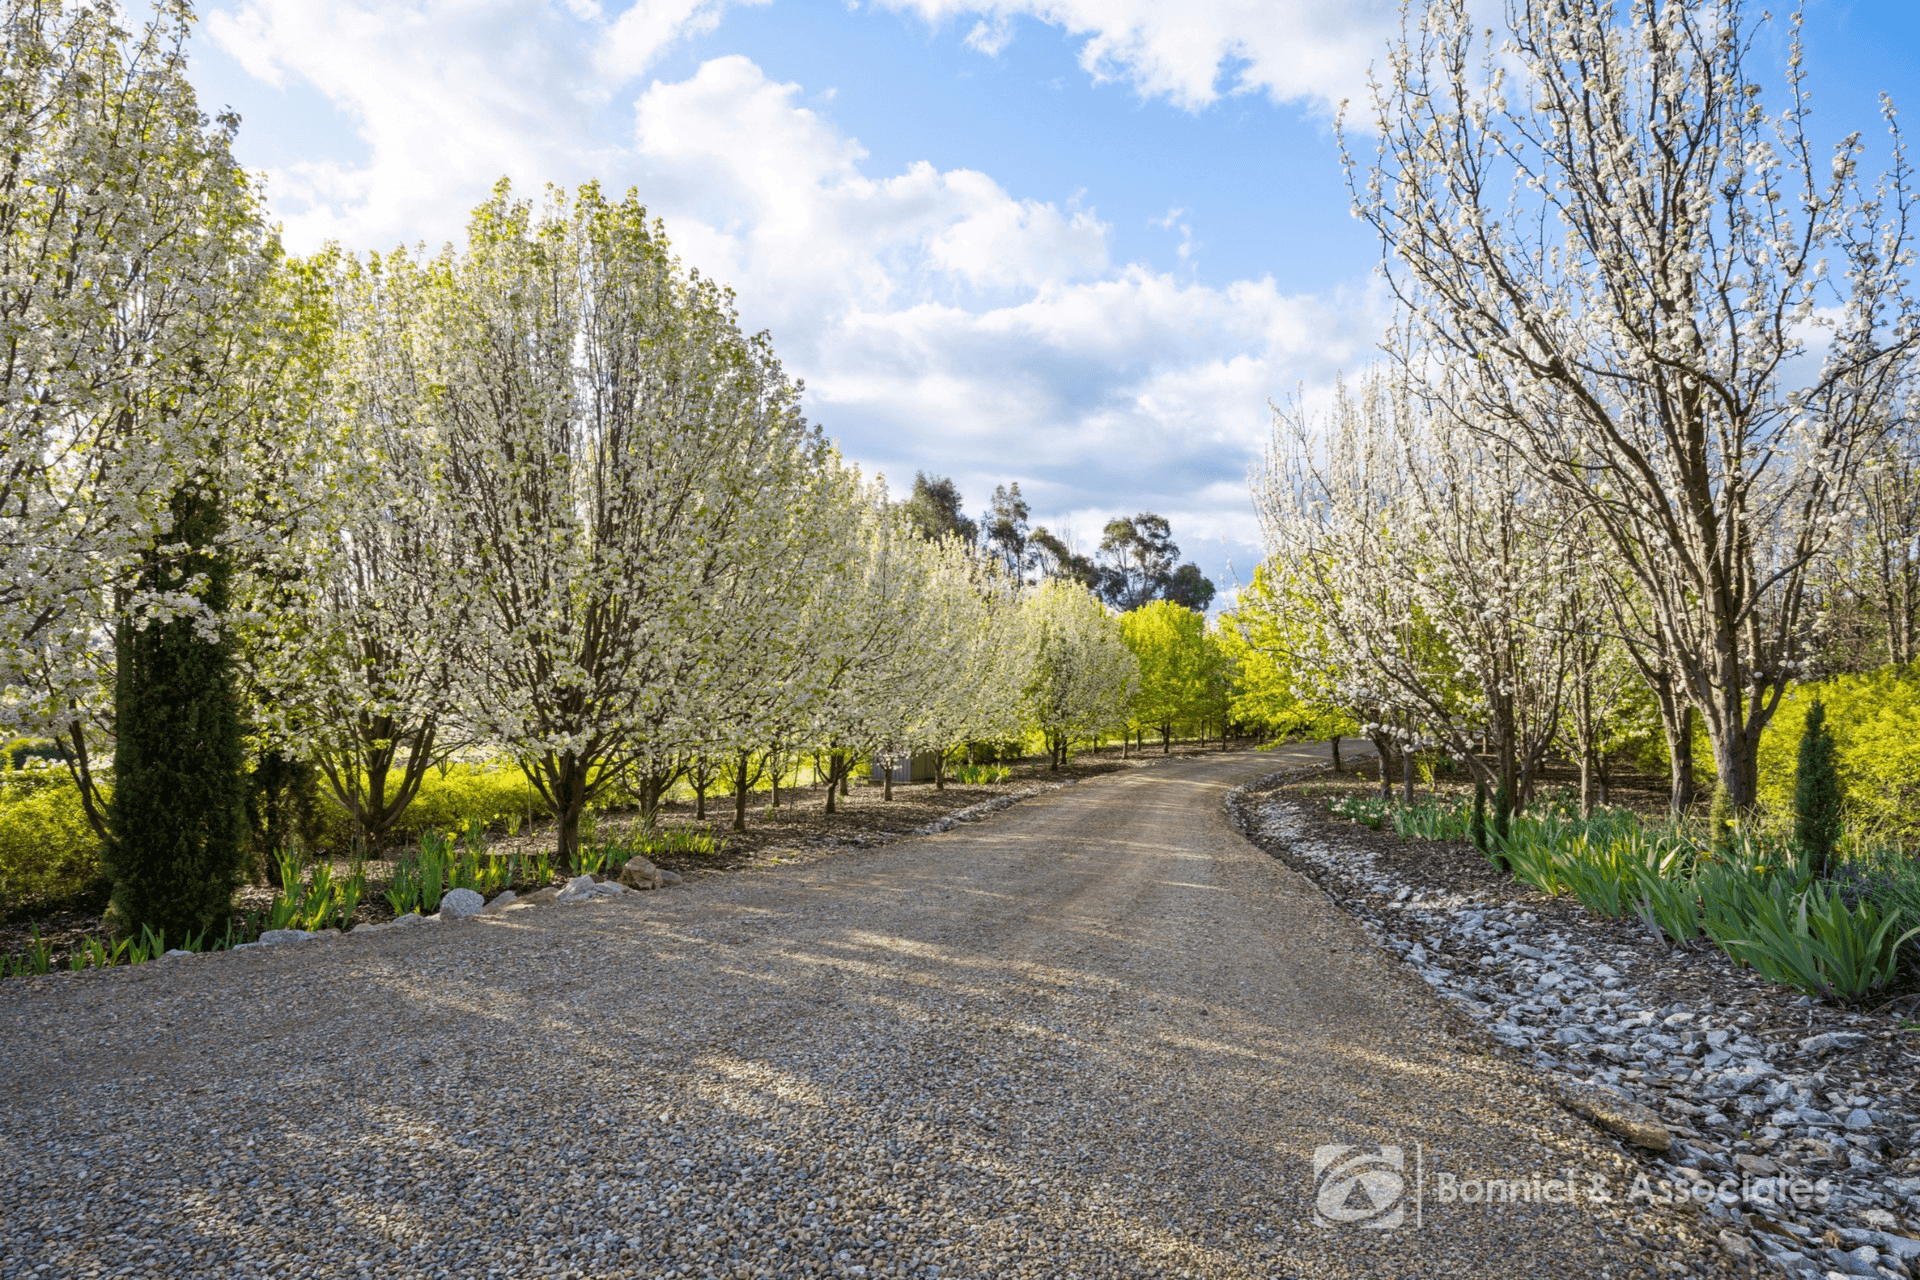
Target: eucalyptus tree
x,y
1005,533
1599,224
613,455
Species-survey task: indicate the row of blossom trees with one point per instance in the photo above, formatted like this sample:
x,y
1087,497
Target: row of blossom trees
x,y
580,521
1643,430
539,497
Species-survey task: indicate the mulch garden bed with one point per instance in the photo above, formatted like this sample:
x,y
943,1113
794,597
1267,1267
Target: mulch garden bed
x,y
800,830
1703,977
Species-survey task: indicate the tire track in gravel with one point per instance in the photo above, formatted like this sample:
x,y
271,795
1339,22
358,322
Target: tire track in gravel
x,y
1096,1035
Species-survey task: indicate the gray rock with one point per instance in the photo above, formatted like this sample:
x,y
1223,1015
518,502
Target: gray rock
x,y
1859,1118
411,918
502,901
578,889
1741,1078
175,952
1858,1262
1828,1041
274,937
1904,1248
639,873
1637,1124
458,904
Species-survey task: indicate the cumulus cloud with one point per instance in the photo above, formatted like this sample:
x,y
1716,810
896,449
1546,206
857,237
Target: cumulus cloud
x,y
446,96
940,320
1316,51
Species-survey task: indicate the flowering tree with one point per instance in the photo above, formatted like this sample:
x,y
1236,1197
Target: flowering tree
x,y
974,661
1083,676
1623,255
612,454
131,254
1428,564
348,648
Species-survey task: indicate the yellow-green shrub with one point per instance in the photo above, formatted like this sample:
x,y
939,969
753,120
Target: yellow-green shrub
x,y
488,793
1875,719
48,849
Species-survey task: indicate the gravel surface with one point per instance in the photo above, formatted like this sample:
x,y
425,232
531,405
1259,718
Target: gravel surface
x,y
1097,1035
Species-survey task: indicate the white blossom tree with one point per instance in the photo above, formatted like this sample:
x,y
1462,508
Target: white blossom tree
x,y
1428,562
132,259
1601,228
614,455
1082,677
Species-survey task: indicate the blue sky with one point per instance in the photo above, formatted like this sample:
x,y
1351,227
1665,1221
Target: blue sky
x,y
1075,243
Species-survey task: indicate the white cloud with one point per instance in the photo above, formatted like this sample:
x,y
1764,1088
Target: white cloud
x,y
447,96
939,320
1316,51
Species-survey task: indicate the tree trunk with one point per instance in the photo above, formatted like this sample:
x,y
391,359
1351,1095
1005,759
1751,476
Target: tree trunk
x,y
1406,777
569,782
1333,744
1676,720
940,770
886,779
1584,732
740,784
1166,737
1385,749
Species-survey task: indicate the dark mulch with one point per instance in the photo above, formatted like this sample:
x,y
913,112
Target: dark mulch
x,y
800,830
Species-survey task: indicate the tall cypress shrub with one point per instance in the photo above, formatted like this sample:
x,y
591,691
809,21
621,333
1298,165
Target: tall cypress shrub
x,y
178,813
1816,794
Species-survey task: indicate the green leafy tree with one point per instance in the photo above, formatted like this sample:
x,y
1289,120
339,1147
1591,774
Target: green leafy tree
x,y
934,509
1817,794
1171,645
1262,639
178,810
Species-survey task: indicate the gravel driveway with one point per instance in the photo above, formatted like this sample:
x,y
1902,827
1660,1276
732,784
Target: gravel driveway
x,y
1096,1035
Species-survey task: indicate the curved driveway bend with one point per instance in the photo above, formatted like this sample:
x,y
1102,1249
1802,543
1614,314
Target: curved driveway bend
x,y
1096,1035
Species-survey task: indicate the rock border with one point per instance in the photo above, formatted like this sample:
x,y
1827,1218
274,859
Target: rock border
x,y
1546,994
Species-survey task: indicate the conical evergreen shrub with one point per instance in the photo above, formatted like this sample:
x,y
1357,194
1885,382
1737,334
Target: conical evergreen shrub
x,y
1817,825
178,810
